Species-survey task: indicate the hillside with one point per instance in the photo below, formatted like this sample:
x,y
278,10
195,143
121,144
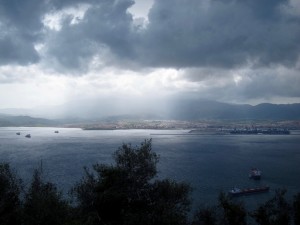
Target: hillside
x,y
17,121
184,109
193,110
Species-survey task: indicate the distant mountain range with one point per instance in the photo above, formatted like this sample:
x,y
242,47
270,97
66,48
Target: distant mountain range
x,y
177,110
17,121
194,110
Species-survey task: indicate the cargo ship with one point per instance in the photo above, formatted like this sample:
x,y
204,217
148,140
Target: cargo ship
x,y
271,131
238,192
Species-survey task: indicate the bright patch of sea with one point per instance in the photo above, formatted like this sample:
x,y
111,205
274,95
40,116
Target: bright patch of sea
x,y
209,163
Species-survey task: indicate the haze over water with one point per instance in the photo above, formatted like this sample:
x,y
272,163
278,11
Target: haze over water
x,y
210,163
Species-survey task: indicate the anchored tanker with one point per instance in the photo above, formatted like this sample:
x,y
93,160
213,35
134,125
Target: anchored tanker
x,y
247,191
260,131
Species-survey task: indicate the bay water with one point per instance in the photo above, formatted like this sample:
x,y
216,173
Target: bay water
x,y
209,163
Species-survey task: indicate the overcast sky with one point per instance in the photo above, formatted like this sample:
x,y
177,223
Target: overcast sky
x,y
241,51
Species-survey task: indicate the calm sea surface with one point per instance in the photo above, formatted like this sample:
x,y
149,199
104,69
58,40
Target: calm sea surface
x,y
209,163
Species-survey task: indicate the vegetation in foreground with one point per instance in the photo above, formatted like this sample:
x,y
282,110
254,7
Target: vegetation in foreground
x,y
128,193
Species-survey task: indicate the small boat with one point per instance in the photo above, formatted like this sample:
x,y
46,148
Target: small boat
x,y
18,133
28,135
56,132
238,192
255,174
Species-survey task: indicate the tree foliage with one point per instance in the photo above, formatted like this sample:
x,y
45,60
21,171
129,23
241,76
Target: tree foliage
x,y
275,211
233,213
10,189
126,192
43,203
227,212
296,209
206,216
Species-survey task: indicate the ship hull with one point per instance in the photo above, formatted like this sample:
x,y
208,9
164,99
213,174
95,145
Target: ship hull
x,y
248,191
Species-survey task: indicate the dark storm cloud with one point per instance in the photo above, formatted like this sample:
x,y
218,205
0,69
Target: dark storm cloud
x,y
15,50
221,33
68,52
20,24
253,85
104,30
110,24
22,27
270,84
180,34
